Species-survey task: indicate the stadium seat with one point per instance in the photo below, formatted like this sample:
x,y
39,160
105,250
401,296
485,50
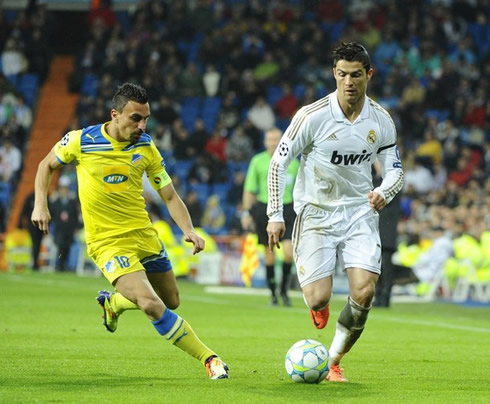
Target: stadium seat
x,y
334,30
90,85
283,123
191,101
211,104
181,168
4,193
299,90
29,80
221,189
234,167
202,191
274,93
210,111
439,114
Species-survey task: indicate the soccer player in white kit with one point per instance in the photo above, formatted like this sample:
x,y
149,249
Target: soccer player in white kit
x,y
339,137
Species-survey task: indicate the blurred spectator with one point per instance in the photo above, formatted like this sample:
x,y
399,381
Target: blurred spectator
x,y
194,207
229,115
239,147
34,232
431,148
64,213
23,113
236,190
190,82
213,218
12,156
5,170
103,13
287,105
199,135
38,53
266,70
184,148
14,61
211,80
216,146
166,111
261,115
418,177
235,221
162,136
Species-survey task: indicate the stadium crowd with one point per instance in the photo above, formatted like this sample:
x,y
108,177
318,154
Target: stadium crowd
x,y
221,72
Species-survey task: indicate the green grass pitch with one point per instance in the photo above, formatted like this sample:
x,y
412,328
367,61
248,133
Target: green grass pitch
x,y
54,349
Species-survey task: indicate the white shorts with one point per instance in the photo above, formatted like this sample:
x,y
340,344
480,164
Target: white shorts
x,y
344,237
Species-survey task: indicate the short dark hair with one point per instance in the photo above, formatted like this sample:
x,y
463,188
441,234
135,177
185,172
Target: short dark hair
x,y
128,92
352,52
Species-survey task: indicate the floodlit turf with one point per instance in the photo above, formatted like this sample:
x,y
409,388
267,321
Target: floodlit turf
x,y
53,348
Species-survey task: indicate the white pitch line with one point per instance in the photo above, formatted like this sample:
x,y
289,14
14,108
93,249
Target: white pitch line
x,y
233,290
438,324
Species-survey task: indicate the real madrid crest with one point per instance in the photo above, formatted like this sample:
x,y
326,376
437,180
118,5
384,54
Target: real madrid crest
x,y
371,137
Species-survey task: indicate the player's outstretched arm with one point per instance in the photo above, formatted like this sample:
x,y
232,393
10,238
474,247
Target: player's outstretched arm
x,y
180,214
40,215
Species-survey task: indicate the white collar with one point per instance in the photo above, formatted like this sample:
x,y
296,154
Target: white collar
x,y
339,115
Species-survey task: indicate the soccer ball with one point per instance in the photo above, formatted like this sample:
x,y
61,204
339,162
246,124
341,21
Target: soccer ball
x,y
307,361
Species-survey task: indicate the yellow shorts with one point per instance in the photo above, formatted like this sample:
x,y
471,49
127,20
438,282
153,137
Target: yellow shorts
x,y
137,250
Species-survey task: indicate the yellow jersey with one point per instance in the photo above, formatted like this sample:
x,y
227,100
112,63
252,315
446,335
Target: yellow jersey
x,y
110,183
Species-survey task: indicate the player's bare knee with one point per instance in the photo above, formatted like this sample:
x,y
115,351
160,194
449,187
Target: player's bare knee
x,y
317,301
363,295
172,302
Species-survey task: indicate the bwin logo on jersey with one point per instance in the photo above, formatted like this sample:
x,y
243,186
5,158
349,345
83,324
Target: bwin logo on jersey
x,y
349,159
115,178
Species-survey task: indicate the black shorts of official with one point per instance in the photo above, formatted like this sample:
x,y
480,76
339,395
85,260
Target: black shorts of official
x,y
259,214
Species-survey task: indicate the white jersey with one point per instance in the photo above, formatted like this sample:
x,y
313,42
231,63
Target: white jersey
x,y
336,157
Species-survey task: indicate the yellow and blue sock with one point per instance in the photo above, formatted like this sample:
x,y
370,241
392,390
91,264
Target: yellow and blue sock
x,y
176,330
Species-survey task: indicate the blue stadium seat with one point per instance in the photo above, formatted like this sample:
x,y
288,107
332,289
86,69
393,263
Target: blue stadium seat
x,y
10,15
334,30
28,86
90,85
439,114
189,102
202,191
283,124
4,193
274,93
181,168
299,90
210,122
211,103
189,113
221,189
29,80
12,78
234,167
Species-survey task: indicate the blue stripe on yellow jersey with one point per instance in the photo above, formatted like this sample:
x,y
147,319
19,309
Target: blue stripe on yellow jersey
x,y
110,179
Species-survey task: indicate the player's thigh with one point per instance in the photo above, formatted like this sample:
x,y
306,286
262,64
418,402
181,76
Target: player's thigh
x,y
136,287
165,285
361,246
314,248
314,256
318,293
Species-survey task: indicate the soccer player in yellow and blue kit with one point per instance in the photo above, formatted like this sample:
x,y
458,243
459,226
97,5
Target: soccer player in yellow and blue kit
x,y
111,159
